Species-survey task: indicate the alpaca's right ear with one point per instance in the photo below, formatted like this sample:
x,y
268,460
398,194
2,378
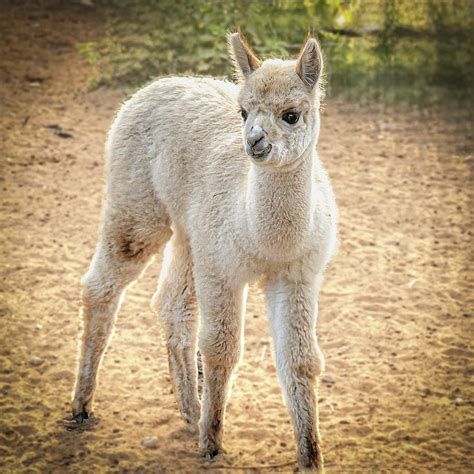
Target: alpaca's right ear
x,y
244,58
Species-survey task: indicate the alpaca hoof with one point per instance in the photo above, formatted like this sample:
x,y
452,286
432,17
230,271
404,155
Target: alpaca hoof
x,y
210,455
80,417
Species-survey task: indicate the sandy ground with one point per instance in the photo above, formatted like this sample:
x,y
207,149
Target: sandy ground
x,y
396,308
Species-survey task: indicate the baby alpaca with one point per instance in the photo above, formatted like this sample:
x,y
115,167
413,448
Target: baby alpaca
x,y
228,177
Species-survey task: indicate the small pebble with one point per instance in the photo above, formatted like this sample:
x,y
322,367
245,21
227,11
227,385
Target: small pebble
x,y
149,442
36,361
426,392
327,379
458,401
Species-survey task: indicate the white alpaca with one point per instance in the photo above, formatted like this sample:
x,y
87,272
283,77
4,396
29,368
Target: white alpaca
x,y
229,175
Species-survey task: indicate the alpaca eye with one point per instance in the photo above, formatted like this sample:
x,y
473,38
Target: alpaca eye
x,y
291,117
244,114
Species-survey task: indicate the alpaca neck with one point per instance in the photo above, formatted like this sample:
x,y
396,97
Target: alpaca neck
x,y
279,206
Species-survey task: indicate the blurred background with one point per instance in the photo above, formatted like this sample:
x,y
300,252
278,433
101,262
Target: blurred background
x,y
393,50
396,309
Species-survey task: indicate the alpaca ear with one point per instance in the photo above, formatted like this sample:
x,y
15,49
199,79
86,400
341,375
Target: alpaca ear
x,y
244,58
309,65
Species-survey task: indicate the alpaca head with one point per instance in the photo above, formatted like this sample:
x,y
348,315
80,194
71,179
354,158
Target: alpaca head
x,y
279,102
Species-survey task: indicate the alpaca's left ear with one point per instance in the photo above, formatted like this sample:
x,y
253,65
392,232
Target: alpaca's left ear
x,y
244,58
309,65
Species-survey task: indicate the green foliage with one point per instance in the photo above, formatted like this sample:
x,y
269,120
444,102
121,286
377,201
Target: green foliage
x,y
386,49
89,51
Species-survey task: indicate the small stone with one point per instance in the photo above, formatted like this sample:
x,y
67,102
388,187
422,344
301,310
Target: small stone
x,y
426,392
458,401
150,442
36,361
38,327
328,379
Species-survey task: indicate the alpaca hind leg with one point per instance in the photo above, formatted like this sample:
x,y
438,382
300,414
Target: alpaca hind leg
x,y
175,302
120,258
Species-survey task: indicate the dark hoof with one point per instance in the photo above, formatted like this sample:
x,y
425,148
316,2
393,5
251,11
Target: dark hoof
x,y
210,455
80,417
80,422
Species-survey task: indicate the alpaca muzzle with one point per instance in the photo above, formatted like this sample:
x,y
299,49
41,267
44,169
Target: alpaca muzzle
x,y
257,145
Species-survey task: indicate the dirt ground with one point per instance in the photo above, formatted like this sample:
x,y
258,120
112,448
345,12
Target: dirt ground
x,y
396,310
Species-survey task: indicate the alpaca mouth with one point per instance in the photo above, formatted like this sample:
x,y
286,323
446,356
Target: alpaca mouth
x,y
259,154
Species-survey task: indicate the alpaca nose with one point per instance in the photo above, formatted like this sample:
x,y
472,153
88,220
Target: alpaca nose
x,y
256,134
257,145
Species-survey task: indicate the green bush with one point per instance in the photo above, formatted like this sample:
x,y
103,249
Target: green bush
x,y
387,49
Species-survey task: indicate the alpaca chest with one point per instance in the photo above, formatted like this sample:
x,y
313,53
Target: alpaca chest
x,y
245,255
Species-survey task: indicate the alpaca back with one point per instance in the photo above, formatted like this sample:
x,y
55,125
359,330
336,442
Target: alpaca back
x,y
179,138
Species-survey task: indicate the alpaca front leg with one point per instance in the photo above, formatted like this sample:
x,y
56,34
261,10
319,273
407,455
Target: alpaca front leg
x,y
292,306
220,345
